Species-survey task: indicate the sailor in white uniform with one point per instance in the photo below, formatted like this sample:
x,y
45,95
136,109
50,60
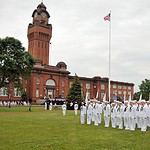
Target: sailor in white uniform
x,y
76,108
82,113
113,115
89,113
106,114
64,108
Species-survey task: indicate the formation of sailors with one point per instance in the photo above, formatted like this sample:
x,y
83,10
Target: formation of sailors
x,y
122,115
13,103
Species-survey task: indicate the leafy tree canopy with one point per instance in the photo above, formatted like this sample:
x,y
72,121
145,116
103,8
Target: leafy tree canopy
x,y
144,90
15,62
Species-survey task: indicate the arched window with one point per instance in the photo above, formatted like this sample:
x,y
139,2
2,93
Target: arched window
x,y
50,82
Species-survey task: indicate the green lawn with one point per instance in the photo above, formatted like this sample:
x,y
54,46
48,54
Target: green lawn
x,y
49,130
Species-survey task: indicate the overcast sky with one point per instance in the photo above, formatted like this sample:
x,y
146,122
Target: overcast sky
x,y
80,35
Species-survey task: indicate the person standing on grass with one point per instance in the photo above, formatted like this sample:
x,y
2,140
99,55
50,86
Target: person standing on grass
x,y
51,106
99,111
138,114
148,113
89,113
132,116
126,115
120,111
76,108
64,107
82,113
106,114
113,115
143,116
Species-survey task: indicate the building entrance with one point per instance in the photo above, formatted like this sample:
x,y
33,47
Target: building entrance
x,y
50,88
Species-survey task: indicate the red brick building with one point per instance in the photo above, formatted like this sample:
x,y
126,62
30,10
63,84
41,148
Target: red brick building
x,y
55,81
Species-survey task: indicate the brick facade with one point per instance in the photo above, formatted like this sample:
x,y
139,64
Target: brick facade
x,y
55,81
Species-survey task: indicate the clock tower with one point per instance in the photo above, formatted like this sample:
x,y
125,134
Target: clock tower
x,y
39,35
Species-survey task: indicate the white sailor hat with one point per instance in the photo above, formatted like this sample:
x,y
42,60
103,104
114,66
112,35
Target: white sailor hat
x,y
112,103
143,101
126,101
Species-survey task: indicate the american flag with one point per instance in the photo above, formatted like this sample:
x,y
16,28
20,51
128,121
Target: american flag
x,y
107,17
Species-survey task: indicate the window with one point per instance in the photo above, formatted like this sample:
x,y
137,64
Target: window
x,y
50,82
115,92
129,93
129,87
37,92
87,86
114,86
124,92
38,80
102,95
119,92
62,93
3,91
124,87
82,89
88,94
102,87
17,92
119,86
63,83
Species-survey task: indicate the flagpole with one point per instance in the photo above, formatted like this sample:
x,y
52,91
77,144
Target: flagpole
x,y
109,72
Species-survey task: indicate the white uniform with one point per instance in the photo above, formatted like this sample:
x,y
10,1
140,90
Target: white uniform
x,y
64,107
121,116
89,113
93,105
76,109
107,115
45,106
82,114
50,106
113,116
99,112
143,118
95,113
138,122
148,115
132,117
126,117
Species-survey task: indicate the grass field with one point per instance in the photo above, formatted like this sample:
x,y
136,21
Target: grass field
x,y
49,130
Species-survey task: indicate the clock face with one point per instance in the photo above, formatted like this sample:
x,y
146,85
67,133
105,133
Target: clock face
x,y
44,14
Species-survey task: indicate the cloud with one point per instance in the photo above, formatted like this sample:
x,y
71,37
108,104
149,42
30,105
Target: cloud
x,y
80,35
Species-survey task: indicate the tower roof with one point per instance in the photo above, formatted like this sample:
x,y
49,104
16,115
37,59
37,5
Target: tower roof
x,y
41,8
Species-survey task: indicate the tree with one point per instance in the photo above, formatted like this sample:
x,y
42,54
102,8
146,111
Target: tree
x,y
15,62
136,95
145,89
75,91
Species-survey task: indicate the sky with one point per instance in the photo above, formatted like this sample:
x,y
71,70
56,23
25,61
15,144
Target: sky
x,y
80,36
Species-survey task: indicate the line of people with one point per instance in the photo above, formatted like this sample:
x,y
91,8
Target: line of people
x,y
127,115
13,103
